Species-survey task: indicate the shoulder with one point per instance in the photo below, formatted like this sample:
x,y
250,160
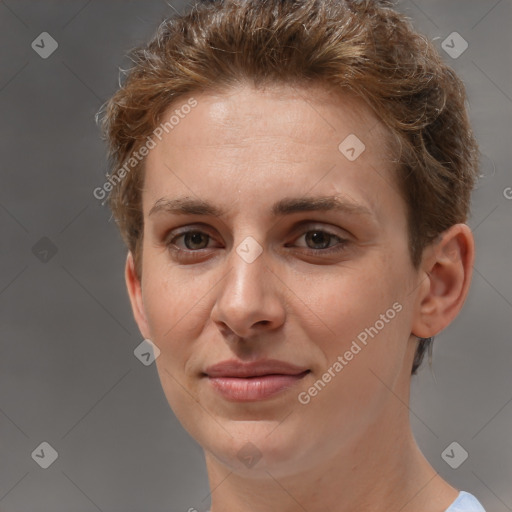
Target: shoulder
x,y
465,502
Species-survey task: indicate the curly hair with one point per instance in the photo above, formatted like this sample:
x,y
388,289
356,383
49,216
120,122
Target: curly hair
x,y
365,48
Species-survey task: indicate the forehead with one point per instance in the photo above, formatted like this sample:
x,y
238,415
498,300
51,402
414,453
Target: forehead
x,y
315,113
263,140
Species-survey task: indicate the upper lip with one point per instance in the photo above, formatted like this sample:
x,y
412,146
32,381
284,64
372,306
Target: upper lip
x,y
236,368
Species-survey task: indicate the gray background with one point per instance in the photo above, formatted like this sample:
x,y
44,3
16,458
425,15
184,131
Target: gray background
x,y
68,375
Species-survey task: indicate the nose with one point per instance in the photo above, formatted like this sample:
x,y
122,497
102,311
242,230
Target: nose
x,y
250,297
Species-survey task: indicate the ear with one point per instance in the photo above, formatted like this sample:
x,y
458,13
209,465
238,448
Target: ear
x,y
135,293
446,272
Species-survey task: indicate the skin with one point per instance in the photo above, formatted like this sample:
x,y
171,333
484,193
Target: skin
x,y
351,447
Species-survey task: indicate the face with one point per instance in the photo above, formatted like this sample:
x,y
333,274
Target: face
x,y
268,273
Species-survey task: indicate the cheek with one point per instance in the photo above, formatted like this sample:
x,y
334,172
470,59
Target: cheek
x,y
169,295
177,306
360,313
347,300
169,307
362,358
172,310
161,306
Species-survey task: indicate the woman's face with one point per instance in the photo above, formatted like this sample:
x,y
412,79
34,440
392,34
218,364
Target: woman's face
x,y
304,286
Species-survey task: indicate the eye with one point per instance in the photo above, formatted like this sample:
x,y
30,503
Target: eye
x,y
193,240
322,240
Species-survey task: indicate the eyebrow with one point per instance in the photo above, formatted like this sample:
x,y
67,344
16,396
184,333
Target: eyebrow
x,y
285,206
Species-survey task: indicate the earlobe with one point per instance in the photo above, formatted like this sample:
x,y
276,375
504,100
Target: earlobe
x,y
448,268
134,287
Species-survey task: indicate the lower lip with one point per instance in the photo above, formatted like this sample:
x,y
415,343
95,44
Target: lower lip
x,y
254,388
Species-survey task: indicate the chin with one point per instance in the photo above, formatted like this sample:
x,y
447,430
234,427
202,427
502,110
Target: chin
x,y
255,447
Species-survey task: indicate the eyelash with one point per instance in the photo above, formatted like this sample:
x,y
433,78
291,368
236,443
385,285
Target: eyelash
x,y
191,253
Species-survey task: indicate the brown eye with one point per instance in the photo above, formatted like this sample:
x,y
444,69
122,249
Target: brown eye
x,y
318,237
194,247
319,241
193,239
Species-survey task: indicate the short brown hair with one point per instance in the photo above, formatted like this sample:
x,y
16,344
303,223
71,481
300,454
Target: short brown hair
x,y
364,47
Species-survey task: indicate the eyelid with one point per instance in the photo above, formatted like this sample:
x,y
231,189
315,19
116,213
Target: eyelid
x,y
187,228
328,227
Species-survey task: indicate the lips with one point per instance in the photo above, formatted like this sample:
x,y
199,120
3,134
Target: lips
x,y
242,369
238,381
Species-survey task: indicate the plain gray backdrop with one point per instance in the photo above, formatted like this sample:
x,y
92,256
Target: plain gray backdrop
x,y
68,373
